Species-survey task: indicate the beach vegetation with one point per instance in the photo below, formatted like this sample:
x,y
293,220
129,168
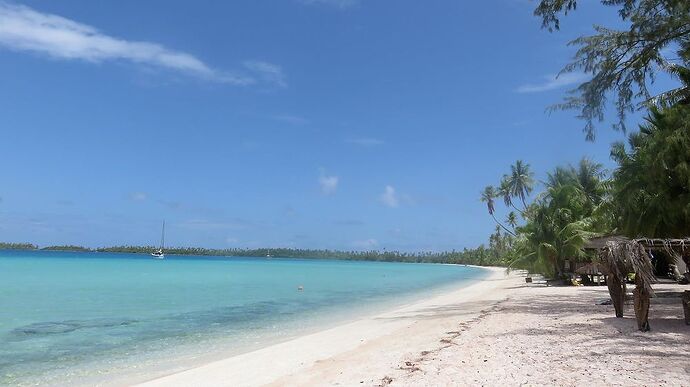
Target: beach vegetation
x,y
623,62
500,244
65,248
557,223
652,183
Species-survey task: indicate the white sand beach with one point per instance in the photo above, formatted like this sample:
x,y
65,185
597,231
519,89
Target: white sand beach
x,y
498,331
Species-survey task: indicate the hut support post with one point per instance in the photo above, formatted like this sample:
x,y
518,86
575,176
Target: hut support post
x,y
641,304
617,293
686,306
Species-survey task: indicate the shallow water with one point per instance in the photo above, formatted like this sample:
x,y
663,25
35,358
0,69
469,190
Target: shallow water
x,y
70,318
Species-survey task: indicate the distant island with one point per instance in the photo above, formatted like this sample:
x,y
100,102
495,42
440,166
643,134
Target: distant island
x,y
17,246
480,256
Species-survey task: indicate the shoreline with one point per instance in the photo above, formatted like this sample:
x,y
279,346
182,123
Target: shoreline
x,y
500,331
442,257
376,336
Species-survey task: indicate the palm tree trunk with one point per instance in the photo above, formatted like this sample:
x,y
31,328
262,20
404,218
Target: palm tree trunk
x,y
522,212
502,226
616,287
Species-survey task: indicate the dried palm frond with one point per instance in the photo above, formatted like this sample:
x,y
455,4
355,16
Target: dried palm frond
x,y
630,256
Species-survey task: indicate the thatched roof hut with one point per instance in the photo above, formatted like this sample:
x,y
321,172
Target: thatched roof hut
x,y
599,243
621,256
677,249
593,268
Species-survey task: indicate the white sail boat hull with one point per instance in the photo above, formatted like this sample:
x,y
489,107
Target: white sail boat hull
x,y
158,254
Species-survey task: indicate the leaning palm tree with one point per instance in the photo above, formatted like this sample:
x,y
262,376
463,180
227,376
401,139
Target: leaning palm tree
x,y
520,181
504,191
488,196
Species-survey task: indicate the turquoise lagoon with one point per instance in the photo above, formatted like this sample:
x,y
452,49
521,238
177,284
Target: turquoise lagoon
x,y
82,318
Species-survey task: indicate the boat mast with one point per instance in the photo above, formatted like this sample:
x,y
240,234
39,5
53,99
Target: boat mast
x,y
163,236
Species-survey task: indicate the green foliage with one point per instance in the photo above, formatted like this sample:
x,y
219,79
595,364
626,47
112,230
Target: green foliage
x,y
559,221
652,183
520,182
480,256
65,248
624,62
557,227
17,246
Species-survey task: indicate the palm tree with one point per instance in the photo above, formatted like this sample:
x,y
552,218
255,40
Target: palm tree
x,y
555,232
651,186
504,191
559,222
680,95
488,196
560,177
520,181
591,178
511,219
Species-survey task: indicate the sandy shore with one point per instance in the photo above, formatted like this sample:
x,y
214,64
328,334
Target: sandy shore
x,y
498,331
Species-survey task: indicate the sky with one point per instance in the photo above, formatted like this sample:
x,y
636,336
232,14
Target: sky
x,y
342,124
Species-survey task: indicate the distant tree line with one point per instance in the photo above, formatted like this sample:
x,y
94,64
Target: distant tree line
x,y
481,256
17,246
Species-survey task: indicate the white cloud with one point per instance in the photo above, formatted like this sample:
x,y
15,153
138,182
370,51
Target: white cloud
x,y
366,244
364,141
24,29
138,196
552,82
328,184
268,72
389,197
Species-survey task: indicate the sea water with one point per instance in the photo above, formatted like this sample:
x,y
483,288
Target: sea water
x,y
81,318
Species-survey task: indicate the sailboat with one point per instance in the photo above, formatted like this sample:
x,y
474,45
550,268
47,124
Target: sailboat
x,y
158,254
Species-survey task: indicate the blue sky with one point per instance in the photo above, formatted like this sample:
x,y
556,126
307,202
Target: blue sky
x,y
315,123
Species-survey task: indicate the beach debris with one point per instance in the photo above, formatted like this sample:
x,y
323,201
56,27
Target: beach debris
x,y
386,381
410,366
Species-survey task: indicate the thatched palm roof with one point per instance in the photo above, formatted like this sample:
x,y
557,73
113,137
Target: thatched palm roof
x,y
630,256
674,247
593,268
679,244
600,242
